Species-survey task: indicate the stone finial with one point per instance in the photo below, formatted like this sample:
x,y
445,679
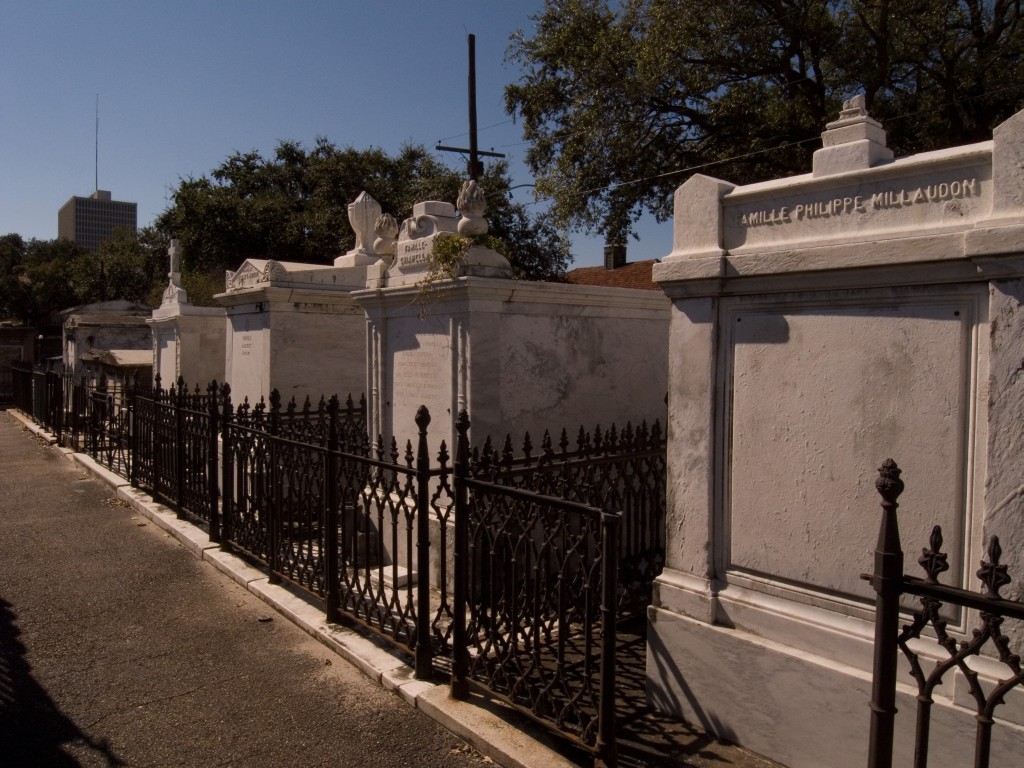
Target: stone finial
x,y
174,252
272,271
174,293
428,218
855,107
362,215
854,142
386,229
471,205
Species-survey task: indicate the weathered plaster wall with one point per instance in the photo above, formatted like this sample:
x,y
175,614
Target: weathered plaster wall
x,y
317,349
519,357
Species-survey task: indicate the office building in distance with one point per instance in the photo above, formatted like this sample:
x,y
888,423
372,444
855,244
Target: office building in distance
x,y
89,221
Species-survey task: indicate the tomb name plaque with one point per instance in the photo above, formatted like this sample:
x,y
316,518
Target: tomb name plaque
x,y
414,255
951,198
421,374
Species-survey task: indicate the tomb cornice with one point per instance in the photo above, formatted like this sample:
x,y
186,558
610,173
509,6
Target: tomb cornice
x,y
482,291
282,296
979,154
166,313
906,273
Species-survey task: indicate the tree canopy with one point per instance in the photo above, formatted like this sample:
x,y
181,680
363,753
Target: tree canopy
x,y
293,206
41,277
622,101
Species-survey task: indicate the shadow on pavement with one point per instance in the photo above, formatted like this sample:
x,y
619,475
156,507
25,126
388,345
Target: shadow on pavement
x,y
33,731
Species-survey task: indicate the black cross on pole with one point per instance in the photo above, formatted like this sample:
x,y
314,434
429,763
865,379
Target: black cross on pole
x,y
475,166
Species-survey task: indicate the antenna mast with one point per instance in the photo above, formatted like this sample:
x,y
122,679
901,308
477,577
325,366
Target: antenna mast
x,y
97,171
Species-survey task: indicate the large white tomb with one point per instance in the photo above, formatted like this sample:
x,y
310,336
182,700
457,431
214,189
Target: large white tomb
x,y
820,324
188,341
519,356
293,327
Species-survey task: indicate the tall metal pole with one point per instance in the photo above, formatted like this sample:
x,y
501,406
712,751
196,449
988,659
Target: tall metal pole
x,y
474,161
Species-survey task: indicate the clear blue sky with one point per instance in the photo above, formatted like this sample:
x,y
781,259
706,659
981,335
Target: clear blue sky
x,y
184,84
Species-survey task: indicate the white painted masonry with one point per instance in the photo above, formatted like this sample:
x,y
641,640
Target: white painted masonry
x,y
821,324
188,341
519,356
294,327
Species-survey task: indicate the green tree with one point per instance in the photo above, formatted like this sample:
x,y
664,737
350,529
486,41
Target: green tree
x,y
294,207
621,101
127,266
40,278
15,294
50,272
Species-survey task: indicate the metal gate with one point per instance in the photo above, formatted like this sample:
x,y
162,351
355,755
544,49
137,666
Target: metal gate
x,y
538,573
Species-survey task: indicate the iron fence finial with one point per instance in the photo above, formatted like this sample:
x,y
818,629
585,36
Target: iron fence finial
x,y
889,484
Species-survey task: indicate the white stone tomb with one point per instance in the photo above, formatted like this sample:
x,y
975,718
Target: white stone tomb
x,y
294,327
821,324
188,341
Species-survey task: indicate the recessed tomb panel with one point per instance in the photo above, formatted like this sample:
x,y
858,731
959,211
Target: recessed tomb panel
x,y
421,374
892,377
248,373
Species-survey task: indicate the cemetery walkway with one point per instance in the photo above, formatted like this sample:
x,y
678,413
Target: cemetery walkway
x,y
120,648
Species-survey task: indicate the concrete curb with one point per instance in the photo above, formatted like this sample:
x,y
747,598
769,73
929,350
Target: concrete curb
x,y
474,721
32,427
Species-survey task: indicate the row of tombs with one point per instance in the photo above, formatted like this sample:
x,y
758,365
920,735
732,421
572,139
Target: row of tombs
x,y
807,328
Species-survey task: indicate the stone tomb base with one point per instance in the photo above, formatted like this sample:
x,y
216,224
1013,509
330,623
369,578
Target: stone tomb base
x,y
801,708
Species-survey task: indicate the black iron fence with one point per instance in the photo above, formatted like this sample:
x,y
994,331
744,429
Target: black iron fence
x,y
536,603
608,469
511,571
890,583
6,384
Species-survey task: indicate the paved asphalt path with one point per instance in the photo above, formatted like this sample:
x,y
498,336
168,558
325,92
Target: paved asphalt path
x,y
119,648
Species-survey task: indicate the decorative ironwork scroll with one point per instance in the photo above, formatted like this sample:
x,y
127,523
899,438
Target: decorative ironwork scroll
x,y
987,638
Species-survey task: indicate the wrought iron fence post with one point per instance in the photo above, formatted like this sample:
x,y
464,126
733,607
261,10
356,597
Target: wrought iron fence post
x,y
460,562
96,422
179,447
227,467
329,521
886,580
424,651
154,428
63,382
605,749
62,408
273,489
132,404
55,404
212,478
73,416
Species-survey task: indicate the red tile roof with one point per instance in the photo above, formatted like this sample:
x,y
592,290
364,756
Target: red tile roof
x,y
634,275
